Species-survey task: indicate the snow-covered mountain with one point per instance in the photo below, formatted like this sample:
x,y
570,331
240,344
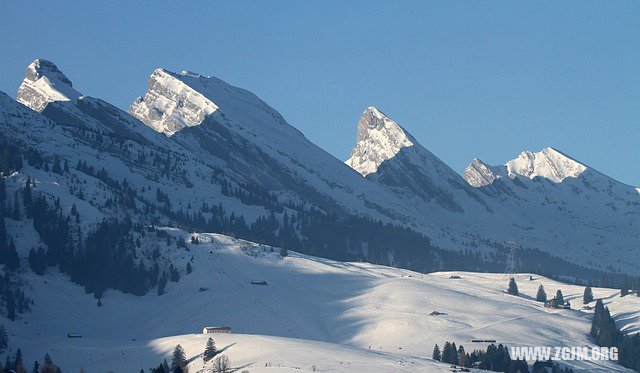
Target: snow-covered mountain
x,y
242,134
555,194
197,152
386,153
85,186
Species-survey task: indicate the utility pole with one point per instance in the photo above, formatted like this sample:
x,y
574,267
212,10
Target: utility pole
x,y
510,269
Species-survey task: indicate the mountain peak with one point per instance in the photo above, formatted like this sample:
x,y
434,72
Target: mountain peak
x,y
171,105
549,163
479,174
379,138
41,67
44,83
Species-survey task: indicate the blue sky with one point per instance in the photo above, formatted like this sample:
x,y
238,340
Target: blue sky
x,y
484,79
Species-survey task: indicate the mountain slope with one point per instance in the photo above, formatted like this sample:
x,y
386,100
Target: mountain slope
x,y
337,316
578,206
231,124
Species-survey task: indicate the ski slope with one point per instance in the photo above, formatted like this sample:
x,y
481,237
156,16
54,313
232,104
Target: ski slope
x,y
338,317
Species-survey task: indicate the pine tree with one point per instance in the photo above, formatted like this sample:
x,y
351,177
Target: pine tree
x,y
446,352
18,358
597,318
189,268
3,191
284,252
587,297
4,340
3,238
11,306
454,353
513,287
162,283
209,350
27,197
624,289
16,207
436,353
559,298
542,295
174,276
462,357
38,261
178,359
56,165
36,367
13,261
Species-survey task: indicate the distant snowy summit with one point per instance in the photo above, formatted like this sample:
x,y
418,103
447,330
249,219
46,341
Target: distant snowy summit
x,y
548,163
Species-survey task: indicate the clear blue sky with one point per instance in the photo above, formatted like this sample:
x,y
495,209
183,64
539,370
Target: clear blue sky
x,y
484,79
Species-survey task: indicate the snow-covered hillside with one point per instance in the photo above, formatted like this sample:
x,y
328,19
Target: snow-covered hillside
x,y
336,316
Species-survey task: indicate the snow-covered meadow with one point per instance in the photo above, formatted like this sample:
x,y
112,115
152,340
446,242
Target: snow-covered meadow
x,y
313,314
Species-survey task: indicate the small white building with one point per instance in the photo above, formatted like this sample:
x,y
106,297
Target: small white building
x,y
216,329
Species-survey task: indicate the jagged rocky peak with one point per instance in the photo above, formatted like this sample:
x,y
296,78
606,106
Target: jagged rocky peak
x,y
178,100
379,138
548,163
171,105
44,83
479,174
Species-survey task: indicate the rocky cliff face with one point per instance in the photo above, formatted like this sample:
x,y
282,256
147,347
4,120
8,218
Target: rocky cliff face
x,y
44,83
171,105
379,139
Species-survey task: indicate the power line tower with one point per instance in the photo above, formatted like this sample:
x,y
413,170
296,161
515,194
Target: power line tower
x,y
510,269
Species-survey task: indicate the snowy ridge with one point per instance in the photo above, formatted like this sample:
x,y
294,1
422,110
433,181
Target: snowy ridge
x,y
44,83
548,163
